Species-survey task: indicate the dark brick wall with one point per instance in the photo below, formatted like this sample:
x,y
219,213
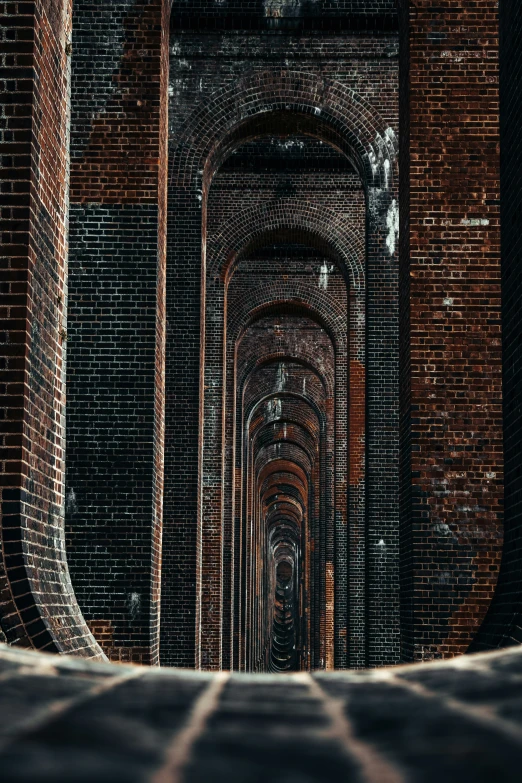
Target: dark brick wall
x,y
116,320
37,603
110,418
285,15
503,626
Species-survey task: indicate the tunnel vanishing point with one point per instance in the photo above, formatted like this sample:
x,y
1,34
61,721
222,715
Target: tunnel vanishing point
x,y
261,342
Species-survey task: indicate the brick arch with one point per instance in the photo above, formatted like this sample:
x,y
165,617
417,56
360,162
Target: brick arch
x,y
213,130
262,388
255,226
292,487
320,521
266,299
304,360
328,102
290,452
240,321
297,432
288,396
271,298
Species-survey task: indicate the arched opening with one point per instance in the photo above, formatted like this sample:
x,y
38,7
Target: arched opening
x,y
285,192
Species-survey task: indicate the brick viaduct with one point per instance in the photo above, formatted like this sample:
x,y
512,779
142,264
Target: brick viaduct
x,y
247,422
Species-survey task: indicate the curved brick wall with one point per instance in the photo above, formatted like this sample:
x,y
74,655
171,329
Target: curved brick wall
x,y
37,603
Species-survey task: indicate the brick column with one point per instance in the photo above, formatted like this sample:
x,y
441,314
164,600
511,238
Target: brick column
x,y
503,625
451,417
115,371
37,604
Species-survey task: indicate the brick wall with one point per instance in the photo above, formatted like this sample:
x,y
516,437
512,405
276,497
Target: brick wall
x,y
116,321
38,607
261,93
451,341
503,626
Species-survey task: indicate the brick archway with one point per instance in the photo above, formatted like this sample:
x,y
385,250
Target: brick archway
x,y
307,103
347,119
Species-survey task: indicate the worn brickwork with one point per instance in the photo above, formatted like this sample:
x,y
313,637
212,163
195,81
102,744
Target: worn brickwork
x,y
38,607
451,358
453,720
110,414
295,171
116,320
504,622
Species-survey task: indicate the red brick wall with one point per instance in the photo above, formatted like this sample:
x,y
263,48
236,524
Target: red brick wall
x,y
451,331
503,625
38,605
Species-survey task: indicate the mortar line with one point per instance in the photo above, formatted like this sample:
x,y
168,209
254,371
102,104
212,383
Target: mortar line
x,y
180,750
486,716
374,767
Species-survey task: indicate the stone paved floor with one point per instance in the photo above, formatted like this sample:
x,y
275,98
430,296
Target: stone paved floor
x,y
68,720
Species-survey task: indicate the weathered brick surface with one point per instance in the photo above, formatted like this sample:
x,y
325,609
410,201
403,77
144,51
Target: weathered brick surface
x,y
117,320
273,330
38,605
451,331
220,100
504,622
111,342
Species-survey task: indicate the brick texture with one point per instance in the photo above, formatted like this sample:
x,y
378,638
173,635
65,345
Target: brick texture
x,y
116,292
252,157
452,490
503,625
283,436
38,607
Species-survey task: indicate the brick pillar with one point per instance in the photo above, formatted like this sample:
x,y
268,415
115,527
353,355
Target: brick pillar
x,y
503,626
37,604
451,416
181,546
115,369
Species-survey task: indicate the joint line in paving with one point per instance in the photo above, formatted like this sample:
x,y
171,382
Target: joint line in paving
x,y
373,766
180,750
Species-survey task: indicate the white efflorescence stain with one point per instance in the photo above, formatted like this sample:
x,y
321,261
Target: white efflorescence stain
x,y
374,162
323,275
274,409
387,168
71,506
133,605
475,222
390,136
392,224
281,377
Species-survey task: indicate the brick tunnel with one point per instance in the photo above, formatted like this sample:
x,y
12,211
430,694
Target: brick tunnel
x,y
261,389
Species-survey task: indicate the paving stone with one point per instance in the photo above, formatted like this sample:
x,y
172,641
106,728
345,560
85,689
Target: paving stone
x,y
168,724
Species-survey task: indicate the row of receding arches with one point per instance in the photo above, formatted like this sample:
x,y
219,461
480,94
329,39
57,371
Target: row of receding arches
x,y
286,370
281,361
